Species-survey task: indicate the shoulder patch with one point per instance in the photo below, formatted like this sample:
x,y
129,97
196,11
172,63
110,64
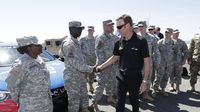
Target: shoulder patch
x,y
70,55
13,71
99,44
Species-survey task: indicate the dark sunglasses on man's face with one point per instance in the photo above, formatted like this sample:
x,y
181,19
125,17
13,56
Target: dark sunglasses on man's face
x,y
120,27
36,45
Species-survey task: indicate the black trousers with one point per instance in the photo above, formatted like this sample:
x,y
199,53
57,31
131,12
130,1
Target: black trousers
x,y
131,85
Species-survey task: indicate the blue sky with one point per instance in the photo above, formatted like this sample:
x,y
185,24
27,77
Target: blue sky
x,y
49,18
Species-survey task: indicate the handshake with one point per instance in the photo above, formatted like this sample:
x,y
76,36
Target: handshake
x,y
97,69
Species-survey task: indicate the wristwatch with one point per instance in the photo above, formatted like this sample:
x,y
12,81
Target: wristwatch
x,y
144,81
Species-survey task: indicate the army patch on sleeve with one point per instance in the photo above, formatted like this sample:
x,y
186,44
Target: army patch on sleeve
x,y
71,55
13,71
99,44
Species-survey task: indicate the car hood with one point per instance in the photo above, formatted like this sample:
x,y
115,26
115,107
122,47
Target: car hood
x,y
55,67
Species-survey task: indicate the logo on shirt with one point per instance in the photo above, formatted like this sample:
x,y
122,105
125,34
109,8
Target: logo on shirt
x,y
134,48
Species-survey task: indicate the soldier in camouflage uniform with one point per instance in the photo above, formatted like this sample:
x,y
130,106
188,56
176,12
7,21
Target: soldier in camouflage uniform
x,y
135,28
179,61
153,52
168,49
156,65
75,69
29,79
194,60
88,49
104,46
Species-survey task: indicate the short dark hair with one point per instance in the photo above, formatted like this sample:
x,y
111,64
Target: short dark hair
x,y
127,19
158,28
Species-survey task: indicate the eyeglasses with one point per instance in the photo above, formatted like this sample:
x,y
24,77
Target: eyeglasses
x,y
36,45
90,30
120,27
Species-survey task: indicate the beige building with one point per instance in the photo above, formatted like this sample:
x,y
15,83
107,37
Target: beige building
x,y
53,45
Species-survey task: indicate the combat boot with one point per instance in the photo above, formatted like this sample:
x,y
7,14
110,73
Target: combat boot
x,y
110,99
147,97
177,89
95,106
155,89
192,88
164,93
171,89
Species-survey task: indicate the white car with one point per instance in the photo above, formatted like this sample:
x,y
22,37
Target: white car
x,y
8,54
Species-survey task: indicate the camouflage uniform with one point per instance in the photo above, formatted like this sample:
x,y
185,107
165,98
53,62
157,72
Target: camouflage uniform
x,y
155,62
29,84
153,53
194,57
74,74
104,46
88,50
167,50
179,60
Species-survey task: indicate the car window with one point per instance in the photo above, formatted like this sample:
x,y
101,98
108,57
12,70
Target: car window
x,y
46,56
9,54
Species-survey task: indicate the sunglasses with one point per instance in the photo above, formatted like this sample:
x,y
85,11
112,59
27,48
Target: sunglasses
x,y
36,45
120,27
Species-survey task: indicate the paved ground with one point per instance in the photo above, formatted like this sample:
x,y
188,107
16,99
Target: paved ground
x,y
184,102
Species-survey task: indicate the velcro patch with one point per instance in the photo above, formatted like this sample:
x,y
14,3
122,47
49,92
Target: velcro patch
x,y
71,55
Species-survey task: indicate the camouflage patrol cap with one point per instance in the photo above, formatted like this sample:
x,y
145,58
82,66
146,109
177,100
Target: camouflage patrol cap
x,y
142,23
108,22
135,25
168,30
176,31
27,41
151,27
75,24
90,27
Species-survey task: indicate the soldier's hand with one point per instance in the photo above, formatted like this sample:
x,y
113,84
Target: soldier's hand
x,y
94,69
98,69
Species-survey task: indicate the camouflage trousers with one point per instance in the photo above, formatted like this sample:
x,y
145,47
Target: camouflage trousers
x,y
154,72
163,74
175,77
105,80
194,69
90,77
36,104
77,93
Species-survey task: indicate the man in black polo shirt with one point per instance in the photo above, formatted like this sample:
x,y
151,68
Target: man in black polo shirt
x,y
133,55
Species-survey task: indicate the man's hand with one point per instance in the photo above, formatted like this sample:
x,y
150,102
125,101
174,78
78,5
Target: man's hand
x,y
94,69
143,87
98,69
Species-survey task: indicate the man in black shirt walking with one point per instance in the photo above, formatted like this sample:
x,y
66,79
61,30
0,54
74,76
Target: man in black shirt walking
x,y
133,55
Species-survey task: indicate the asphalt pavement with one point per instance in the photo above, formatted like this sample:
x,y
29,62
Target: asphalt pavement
x,y
183,102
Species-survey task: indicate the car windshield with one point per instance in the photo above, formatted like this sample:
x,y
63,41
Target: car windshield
x,y
9,54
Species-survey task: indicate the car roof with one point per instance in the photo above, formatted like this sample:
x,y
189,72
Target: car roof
x,y
8,44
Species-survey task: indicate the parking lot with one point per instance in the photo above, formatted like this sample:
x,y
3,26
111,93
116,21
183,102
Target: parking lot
x,y
184,102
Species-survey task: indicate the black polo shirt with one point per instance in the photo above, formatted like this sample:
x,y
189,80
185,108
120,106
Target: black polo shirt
x,y
132,53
